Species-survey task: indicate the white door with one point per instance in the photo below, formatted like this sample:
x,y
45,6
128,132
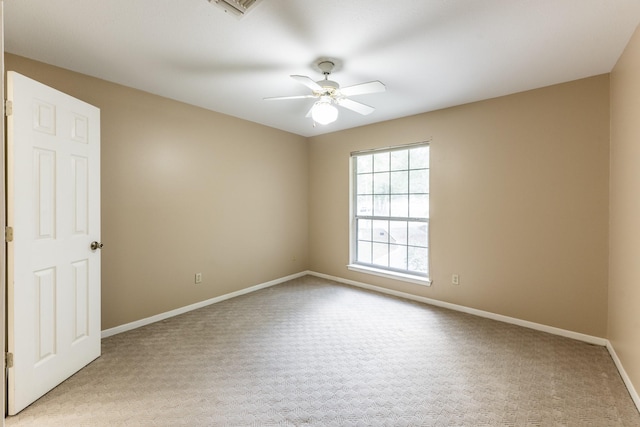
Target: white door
x,y
53,205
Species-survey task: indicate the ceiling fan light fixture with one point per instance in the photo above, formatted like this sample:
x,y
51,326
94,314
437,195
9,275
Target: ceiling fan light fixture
x,y
323,112
330,95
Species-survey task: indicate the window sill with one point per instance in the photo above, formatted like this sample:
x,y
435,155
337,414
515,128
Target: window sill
x,y
425,281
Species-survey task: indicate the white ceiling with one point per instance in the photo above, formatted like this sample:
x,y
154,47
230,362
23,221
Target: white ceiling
x,y
430,54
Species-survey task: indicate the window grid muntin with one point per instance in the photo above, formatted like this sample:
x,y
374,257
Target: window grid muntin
x,y
372,242
372,168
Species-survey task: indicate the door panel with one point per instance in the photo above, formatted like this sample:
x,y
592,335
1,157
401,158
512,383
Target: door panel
x,y
45,295
53,204
81,294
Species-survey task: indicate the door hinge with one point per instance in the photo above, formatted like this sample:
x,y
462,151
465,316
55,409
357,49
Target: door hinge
x,y
8,234
8,108
9,360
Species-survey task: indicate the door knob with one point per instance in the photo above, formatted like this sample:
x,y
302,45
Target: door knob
x,y
96,245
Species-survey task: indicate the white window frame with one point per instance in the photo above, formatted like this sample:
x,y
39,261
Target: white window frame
x,y
388,272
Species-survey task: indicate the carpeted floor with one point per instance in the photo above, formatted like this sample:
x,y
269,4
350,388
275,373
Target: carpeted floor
x,y
313,352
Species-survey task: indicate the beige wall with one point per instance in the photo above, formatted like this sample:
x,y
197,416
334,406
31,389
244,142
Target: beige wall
x,y
187,190
624,260
519,201
519,194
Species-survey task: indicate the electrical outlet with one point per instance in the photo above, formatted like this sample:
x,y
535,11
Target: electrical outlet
x,y
455,279
198,278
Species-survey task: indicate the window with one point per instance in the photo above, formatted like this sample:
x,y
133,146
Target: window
x,y
390,212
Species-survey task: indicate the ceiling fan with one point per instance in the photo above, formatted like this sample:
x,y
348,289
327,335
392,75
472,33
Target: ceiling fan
x,y
329,94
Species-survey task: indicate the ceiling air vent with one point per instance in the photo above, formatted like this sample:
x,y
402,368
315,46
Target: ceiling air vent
x,y
237,7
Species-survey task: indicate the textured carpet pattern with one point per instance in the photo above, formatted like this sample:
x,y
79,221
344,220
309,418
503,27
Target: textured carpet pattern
x,y
313,352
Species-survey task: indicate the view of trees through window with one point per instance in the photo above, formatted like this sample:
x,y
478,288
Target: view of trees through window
x,y
391,209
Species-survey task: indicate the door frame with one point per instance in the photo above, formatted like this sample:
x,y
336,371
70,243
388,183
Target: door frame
x,y
3,264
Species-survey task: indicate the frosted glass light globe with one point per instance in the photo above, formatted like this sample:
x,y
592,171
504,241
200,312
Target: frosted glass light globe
x,y
324,112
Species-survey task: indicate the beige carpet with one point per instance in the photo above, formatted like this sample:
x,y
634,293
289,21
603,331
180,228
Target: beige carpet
x,y
313,352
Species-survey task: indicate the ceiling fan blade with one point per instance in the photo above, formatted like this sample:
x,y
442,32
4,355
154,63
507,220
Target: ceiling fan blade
x,y
278,98
358,107
363,88
307,82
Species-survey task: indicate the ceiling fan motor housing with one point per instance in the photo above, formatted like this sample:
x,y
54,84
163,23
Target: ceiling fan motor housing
x,y
329,87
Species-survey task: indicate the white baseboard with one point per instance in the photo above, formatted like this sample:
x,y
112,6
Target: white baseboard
x,y
506,319
532,325
623,374
481,313
148,320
